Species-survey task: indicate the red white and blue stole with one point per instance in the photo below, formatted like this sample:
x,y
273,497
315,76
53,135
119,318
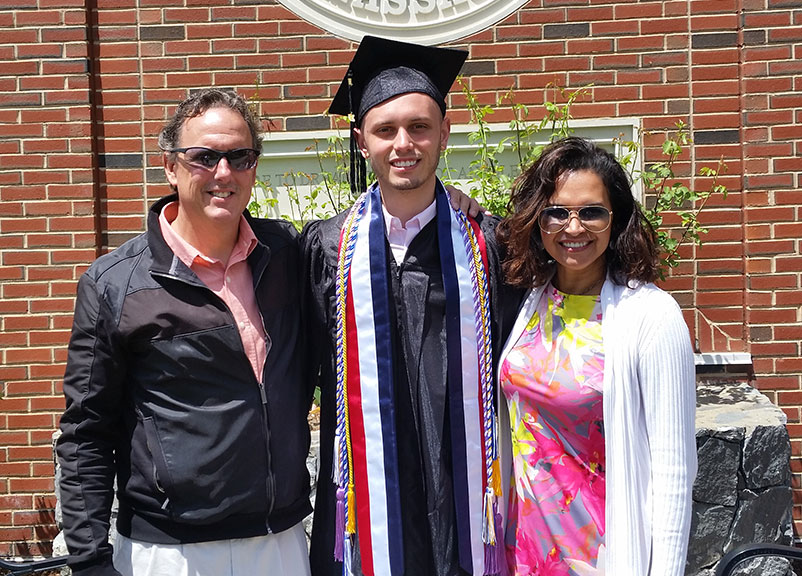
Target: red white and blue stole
x,y
366,458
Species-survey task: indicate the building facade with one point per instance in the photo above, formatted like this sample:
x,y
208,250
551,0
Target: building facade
x,y
85,86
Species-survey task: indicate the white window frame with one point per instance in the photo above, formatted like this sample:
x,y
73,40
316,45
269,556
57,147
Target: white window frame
x,y
282,151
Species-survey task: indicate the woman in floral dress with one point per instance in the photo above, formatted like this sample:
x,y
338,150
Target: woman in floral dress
x,y
598,379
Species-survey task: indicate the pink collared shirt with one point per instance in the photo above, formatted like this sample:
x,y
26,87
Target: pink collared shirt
x,y
399,235
232,282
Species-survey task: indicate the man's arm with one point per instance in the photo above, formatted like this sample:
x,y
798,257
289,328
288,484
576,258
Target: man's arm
x,y
461,201
90,428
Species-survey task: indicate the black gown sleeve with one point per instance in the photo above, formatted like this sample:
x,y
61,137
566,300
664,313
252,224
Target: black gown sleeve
x,y
505,300
319,241
314,285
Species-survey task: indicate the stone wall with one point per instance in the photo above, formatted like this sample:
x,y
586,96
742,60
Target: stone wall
x,y
743,488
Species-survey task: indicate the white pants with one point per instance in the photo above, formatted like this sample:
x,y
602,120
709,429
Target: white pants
x,y
282,553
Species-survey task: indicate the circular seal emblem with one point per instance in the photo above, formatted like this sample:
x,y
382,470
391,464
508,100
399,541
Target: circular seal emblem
x,y
427,22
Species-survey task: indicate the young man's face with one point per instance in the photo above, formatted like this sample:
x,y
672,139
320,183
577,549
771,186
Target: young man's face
x,y
211,199
402,138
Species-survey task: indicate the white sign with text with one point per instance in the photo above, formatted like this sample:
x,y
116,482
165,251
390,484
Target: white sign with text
x,y
427,22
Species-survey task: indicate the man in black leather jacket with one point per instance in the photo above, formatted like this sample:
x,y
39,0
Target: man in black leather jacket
x,y
184,374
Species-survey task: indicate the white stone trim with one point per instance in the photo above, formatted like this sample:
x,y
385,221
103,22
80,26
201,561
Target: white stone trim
x,y
723,359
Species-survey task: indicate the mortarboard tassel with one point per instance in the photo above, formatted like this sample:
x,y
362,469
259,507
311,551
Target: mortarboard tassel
x,y
355,155
358,168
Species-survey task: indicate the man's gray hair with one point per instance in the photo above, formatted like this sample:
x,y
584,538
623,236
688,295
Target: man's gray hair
x,y
200,102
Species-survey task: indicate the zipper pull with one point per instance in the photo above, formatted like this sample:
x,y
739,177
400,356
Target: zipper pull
x,y
263,393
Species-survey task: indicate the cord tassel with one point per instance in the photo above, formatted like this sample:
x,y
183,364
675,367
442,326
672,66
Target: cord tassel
x,y
494,553
492,534
351,524
339,530
488,523
348,551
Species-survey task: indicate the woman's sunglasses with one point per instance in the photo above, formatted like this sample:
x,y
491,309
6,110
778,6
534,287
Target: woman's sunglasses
x,y
200,157
553,219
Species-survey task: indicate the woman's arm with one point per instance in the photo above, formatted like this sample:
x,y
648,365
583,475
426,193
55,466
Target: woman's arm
x,y
668,386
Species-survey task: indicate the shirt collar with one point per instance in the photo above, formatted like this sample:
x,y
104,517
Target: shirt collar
x,y
189,255
418,221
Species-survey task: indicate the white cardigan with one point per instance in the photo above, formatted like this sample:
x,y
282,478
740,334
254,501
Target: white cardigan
x,y
649,428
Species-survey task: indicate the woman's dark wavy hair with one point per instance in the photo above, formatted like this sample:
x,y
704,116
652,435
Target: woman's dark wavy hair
x,y
632,252
200,102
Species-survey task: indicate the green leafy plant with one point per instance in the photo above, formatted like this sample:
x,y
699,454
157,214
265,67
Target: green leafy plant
x,y
486,177
667,194
489,179
310,196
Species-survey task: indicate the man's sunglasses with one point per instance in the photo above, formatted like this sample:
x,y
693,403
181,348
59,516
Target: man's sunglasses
x,y
239,159
553,219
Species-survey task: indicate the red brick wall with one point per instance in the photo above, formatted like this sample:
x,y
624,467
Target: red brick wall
x,y
86,84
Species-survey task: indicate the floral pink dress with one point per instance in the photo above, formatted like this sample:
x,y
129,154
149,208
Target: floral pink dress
x,y
552,379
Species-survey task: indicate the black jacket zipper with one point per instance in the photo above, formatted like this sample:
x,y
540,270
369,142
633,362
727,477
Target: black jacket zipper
x,y
270,481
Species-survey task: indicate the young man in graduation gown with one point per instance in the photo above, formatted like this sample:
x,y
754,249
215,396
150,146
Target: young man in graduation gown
x,y
401,299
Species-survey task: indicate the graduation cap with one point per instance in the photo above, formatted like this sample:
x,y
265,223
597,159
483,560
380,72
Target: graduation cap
x,y
382,69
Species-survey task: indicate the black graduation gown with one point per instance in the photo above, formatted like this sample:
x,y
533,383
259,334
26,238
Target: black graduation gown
x,y
419,348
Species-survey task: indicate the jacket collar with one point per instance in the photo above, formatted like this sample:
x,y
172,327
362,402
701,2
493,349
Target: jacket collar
x,y
168,264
